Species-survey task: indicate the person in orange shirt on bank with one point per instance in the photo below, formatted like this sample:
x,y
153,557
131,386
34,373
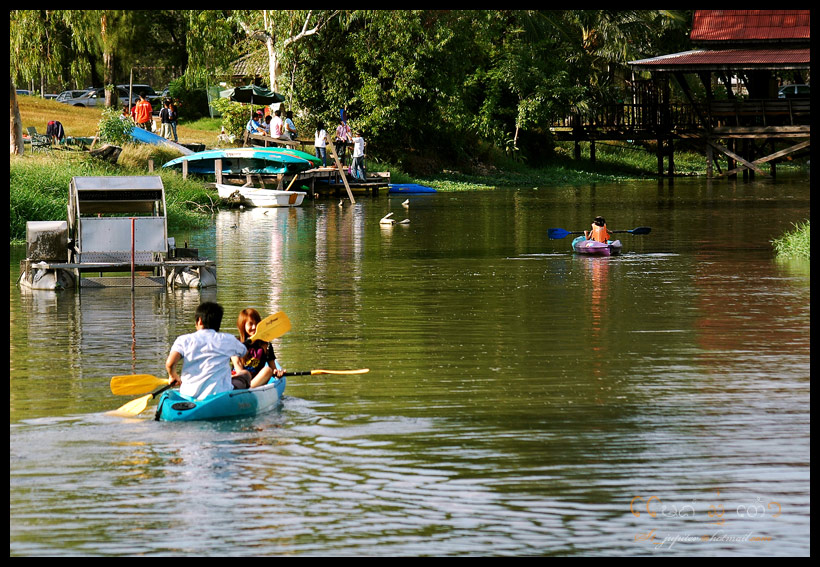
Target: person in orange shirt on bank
x,y
142,113
599,231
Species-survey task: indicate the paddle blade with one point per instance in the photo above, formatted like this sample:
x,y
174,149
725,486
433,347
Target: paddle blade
x,y
136,407
132,408
133,384
556,233
271,327
641,230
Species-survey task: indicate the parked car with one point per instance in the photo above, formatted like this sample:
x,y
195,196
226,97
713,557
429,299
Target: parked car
x,y
91,97
794,91
66,96
95,97
150,94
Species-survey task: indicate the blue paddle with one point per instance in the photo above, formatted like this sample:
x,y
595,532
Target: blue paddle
x,y
557,233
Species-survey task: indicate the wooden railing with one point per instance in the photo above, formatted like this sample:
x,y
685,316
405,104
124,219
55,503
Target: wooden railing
x,y
663,119
762,112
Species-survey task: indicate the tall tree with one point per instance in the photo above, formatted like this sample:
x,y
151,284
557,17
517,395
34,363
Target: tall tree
x,y
280,29
16,125
35,50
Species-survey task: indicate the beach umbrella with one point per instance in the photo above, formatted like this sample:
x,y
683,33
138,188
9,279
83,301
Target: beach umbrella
x,y
255,95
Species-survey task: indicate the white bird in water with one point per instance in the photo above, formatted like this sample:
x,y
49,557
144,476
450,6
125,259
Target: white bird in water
x,y
341,203
406,204
387,220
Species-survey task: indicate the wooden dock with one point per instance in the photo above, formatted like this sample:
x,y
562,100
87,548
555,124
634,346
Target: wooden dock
x,y
326,180
321,181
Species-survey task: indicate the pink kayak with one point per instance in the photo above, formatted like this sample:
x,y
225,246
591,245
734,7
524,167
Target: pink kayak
x,y
595,248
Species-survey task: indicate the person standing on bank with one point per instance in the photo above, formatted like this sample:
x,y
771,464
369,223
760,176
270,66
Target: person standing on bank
x,y
358,156
320,142
143,112
165,120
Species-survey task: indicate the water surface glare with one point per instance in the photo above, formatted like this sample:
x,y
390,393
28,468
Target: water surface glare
x,y
522,400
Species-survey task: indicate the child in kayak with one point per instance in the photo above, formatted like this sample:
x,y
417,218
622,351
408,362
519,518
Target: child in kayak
x,y
260,360
206,355
599,231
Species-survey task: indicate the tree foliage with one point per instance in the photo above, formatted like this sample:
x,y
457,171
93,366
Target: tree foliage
x,y
416,82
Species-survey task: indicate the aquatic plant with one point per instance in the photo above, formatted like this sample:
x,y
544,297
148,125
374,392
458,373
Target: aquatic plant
x,y
794,243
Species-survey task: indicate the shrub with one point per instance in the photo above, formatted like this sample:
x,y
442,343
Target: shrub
x,y
192,103
235,115
114,129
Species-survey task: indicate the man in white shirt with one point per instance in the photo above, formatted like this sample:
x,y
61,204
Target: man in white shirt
x,y
358,156
206,356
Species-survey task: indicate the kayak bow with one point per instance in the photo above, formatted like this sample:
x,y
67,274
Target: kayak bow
x,y
595,248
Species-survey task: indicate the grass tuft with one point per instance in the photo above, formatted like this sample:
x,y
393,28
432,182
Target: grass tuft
x,y
795,243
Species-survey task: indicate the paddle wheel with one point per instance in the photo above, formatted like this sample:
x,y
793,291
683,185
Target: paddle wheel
x,y
116,225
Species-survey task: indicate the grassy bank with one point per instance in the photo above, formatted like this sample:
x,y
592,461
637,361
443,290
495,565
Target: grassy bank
x,y
38,188
39,183
795,244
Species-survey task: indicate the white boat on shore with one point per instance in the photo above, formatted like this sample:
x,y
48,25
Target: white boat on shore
x,y
258,197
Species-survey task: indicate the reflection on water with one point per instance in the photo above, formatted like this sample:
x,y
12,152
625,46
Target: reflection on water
x,y
521,400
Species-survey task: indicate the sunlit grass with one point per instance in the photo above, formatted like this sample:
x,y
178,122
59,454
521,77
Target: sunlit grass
x,y
38,187
84,122
795,243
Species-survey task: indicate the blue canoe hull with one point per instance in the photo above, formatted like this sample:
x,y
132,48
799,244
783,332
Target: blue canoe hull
x,y
594,248
147,137
272,161
173,406
409,188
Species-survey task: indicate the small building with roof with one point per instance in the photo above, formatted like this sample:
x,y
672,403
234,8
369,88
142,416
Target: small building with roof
x,y
743,94
742,58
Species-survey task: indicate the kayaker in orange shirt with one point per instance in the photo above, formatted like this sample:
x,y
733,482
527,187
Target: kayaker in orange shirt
x,y
599,231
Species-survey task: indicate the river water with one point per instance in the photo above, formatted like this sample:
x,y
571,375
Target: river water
x,y
522,400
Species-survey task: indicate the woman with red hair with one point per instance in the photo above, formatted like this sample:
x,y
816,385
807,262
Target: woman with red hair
x,y
260,360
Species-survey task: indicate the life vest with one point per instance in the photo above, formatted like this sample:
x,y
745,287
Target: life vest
x,y
599,233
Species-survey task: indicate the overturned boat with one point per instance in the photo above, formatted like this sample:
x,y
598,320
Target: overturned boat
x,y
260,197
240,161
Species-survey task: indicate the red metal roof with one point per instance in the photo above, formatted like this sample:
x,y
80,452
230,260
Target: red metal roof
x,y
751,25
734,58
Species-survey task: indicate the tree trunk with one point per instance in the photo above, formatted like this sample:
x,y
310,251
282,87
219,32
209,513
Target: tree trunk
x,y
15,122
273,60
108,63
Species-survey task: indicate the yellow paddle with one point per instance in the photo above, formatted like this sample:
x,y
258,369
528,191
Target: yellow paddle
x,y
136,407
132,384
269,328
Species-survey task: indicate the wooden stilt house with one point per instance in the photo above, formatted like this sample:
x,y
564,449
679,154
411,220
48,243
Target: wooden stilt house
x,y
742,109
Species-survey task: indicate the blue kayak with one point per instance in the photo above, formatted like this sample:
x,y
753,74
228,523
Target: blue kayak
x,y
173,406
148,137
409,188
